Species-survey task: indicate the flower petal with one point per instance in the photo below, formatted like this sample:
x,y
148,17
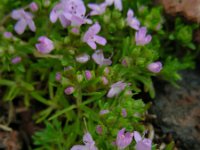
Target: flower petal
x,y
20,26
64,22
137,136
95,28
53,16
118,4
98,57
79,147
92,44
100,40
31,25
16,14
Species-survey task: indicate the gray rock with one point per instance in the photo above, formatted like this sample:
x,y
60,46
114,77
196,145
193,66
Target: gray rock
x,y
178,110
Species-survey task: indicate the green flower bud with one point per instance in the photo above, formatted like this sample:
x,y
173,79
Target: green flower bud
x,y
67,40
121,23
116,14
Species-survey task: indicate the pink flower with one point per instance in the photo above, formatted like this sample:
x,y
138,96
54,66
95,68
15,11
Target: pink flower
x,y
88,141
16,60
155,67
69,12
45,46
99,129
97,9
33,6
132,21
141,38
142,144
24,19
98,57
69,90
116,88
123,139
91,37
83,58
88,75
117,4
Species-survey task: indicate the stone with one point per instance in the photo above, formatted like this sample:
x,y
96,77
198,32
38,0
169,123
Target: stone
x,y
178,110
190,9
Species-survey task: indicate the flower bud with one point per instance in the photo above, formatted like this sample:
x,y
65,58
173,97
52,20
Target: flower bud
x,y
104,111
104,80
75,30
79,78
99,129
106,71
58,76
7,35
69,90
46,3
45,45
33,6
155,67
83,58
121,24
88,75
16,60
106,18
124,112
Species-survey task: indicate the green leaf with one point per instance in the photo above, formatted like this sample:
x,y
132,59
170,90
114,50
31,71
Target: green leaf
x,y
170,146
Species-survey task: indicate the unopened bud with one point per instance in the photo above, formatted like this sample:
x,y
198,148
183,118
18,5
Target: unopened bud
x,y
69,90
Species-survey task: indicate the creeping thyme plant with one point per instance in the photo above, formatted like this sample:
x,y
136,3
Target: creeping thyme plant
x,y
79,64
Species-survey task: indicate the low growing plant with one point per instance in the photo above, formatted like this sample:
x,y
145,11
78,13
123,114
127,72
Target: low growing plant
x,y
83,62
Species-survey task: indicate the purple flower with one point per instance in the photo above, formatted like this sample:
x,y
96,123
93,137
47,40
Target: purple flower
x,y
141,38
116,88
69,90
83,58
45,46
69,12
123,139
97,9
7,35
124,112
88,141
24,19
58,12
104,111
90,37
155,67
88,75
117,3
132,21
142,144
98,57
33,6
16,60
58,76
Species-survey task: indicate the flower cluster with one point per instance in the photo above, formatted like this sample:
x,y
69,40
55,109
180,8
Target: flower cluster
x,y
97,49
123,140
